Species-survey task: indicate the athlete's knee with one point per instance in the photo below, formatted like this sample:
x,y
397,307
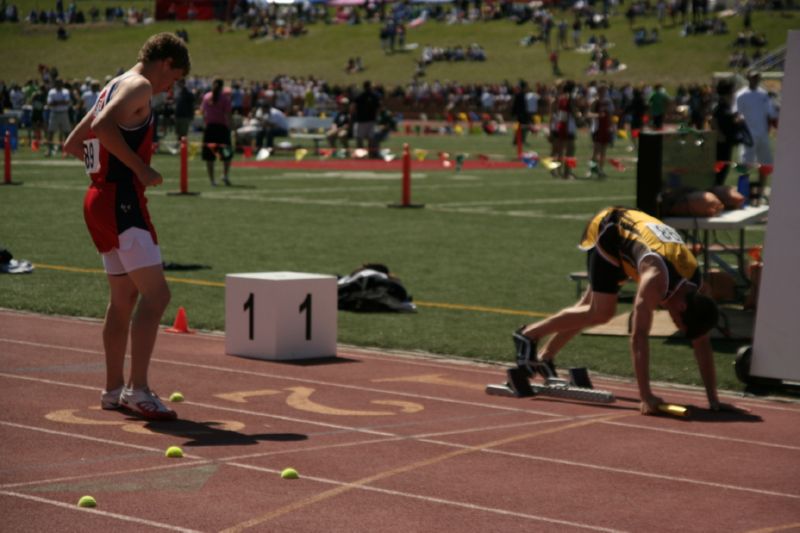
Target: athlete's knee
x,y
158,298
122,303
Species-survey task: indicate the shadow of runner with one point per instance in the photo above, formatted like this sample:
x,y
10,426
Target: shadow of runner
x,y
206,434
698,414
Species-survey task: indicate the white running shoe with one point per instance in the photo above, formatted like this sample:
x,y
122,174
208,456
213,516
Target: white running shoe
x,y
110,398
146,404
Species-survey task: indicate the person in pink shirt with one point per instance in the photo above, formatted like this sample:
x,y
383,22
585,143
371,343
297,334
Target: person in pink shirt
x,y
216,108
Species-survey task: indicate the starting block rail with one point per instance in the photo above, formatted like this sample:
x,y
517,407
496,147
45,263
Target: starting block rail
x,y
568,392
519,386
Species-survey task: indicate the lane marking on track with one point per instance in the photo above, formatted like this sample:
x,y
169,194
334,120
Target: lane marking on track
x,y
188,464
343,486
287,378
540,201
773,529
488,448
461,364
241,397
409,468
73,507
216,407
677,392
638,473
86,437
423,438
433,379
300,399
706,436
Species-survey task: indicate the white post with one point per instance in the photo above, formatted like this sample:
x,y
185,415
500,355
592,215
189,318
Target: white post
x,y
776,340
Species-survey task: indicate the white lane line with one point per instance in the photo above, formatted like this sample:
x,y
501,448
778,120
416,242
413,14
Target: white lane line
x,y
295,379
453,445
614,470
348,202
424,360
705,436
417,360
210,406
95,475
106,514
441,501
86,437
538,201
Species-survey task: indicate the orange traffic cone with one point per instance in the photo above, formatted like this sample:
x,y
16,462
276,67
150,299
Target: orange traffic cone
x,y
181,324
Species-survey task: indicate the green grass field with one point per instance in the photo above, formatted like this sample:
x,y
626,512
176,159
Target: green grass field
x,y
100,50
503,241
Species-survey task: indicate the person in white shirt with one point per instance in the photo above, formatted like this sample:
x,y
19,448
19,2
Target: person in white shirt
x,y
275,124
58,101
90,95
754,104
532,102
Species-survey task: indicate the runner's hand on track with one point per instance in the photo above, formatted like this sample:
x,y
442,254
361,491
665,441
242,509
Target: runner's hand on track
x,y
649,405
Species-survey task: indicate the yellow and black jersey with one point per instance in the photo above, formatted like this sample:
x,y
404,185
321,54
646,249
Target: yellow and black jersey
x,y
626,236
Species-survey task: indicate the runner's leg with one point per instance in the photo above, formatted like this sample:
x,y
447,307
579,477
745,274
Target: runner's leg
x,y
154,298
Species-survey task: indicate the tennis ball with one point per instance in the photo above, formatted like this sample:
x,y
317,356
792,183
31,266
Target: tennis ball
x,y
87,501
176,397
289,473
174,451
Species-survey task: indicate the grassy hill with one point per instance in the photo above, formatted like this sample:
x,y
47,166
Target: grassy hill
x,y
101,49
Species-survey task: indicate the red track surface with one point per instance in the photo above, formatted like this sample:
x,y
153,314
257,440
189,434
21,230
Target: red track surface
x,y
382,442
373,165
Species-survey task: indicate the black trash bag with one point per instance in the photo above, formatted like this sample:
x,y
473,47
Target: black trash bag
x,y
373,288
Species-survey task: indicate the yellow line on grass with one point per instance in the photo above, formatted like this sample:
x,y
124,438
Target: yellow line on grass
x,y
482,309
101,271
204,283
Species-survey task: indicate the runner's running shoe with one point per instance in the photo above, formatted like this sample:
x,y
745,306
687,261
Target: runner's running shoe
x,y
546,368
110,398
146,404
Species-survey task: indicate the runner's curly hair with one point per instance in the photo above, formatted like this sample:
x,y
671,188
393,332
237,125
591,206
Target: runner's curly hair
x,y
166,46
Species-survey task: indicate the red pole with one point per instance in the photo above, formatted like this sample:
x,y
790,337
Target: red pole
x,y
7,144
519,140
184,167
406,176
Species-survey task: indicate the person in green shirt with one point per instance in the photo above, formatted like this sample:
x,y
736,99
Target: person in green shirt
x,y
659,102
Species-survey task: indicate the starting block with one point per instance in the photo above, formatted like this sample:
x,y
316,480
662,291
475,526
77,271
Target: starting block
x,y
520,386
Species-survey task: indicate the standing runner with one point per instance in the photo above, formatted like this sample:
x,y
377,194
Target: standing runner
x,y
115,141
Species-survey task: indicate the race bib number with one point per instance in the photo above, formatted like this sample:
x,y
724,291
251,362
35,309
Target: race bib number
x,y
665,233
91,155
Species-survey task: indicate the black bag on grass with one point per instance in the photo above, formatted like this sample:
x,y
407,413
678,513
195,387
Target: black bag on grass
x,y
373,288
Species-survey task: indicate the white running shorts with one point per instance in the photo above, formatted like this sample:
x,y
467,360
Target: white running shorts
x,y
136,250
